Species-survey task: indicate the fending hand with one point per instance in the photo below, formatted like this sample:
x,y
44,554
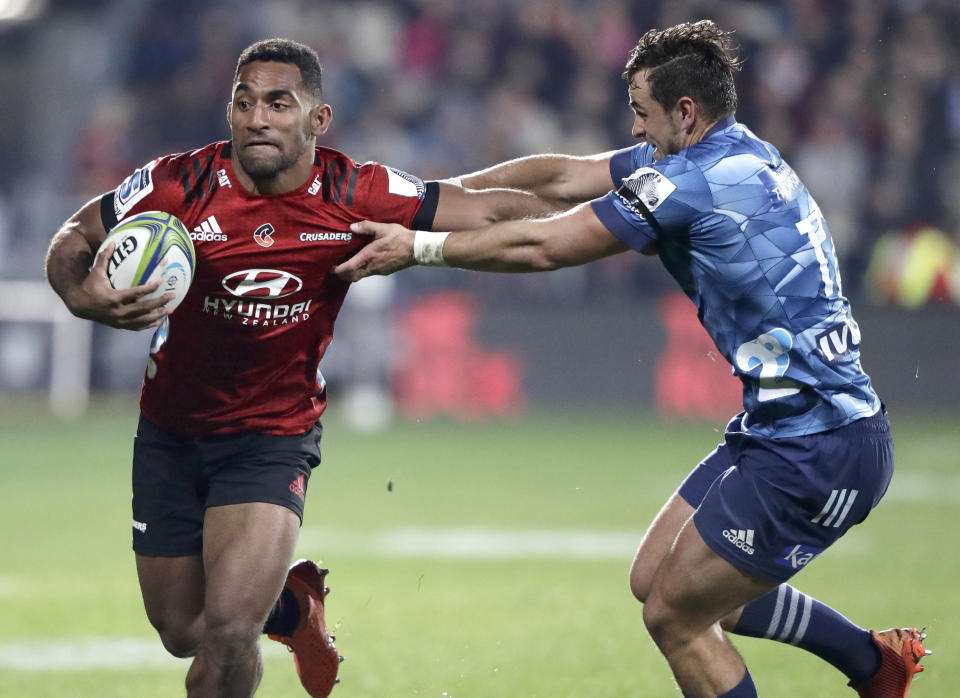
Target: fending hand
x,y
390,250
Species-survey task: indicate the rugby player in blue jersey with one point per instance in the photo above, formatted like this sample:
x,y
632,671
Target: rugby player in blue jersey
x,y
811,454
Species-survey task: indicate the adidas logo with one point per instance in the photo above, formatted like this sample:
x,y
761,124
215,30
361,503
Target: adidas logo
x,y
740,538
299,486
208,231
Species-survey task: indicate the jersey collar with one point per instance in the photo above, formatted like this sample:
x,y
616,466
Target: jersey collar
x,y
725,122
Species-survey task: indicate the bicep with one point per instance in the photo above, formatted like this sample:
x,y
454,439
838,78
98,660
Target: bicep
x,y
586,177
86,225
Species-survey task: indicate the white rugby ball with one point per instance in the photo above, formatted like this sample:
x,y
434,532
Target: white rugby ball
x,y
151,245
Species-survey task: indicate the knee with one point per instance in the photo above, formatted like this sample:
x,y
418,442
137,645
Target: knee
x,y
179,639
230,639
664,621
641,576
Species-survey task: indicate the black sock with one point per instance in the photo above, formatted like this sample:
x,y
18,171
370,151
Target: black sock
x,y
285,615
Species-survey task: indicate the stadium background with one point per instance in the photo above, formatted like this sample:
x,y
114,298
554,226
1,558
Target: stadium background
x,y
861,96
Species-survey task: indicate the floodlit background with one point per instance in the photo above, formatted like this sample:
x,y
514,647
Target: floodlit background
x,y
528,425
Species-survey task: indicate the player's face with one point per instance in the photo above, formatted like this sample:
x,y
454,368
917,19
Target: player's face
x,y
659,127
273,119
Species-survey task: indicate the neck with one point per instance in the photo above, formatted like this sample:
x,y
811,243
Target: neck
x,y
281,182
696,134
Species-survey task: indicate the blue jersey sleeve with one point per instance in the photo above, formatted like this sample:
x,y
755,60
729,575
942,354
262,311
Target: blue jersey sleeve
x,y
654,201
624,162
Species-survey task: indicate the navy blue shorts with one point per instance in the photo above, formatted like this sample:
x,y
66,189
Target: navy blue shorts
x,y
175,479
769,506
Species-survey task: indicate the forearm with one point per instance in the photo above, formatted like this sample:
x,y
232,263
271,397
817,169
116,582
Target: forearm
x,y
464,209
563,179
566,239
508,246
67,264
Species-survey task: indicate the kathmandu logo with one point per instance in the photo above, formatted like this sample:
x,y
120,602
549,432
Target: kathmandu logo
x,y
798,556
262,235
262,283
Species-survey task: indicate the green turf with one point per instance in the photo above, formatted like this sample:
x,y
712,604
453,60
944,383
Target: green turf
x,y
429,626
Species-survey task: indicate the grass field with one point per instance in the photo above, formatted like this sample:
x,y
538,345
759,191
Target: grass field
x,y
495,564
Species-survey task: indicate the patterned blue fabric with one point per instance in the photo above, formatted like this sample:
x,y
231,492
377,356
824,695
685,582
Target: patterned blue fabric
x,y
747,243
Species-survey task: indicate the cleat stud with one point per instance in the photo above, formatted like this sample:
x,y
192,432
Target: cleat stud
x,y
333,638
336,680
340,658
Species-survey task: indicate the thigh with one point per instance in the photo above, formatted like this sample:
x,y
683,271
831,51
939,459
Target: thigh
x,y
662,532
696,588
246,553
172,590
656,543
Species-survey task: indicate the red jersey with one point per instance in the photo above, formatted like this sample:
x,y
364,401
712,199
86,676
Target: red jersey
x,y
242,351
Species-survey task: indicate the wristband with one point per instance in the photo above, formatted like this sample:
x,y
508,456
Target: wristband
x,y
428,248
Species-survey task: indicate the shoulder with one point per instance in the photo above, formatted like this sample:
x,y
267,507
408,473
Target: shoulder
x,y
169,181
200,157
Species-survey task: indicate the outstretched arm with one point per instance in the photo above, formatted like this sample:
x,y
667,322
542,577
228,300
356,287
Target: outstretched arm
x,y
567,239
87,291
563,179
463,209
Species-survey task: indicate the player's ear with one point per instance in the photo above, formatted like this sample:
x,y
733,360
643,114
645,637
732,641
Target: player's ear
x,y
320,117
687,111
229,113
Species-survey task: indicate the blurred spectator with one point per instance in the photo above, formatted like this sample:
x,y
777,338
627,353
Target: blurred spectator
x,y
861,96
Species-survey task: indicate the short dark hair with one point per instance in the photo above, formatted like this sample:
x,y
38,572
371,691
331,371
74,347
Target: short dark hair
x,y
287,51
693,59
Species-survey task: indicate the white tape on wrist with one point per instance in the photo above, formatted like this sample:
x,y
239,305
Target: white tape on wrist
x,y
428,248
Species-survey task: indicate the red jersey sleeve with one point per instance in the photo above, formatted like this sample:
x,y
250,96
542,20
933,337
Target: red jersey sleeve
x,y
388,195
169,183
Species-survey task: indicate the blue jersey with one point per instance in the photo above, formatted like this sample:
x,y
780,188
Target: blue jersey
x,y
747,243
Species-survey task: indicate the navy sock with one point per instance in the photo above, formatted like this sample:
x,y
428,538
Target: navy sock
x,y
790,616
744,689
285,615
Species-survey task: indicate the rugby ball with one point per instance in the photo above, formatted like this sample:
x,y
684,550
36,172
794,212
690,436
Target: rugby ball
x,y
151,245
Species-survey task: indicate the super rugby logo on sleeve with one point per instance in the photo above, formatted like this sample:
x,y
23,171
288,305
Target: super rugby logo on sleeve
x,y
403,184
647,187
132,190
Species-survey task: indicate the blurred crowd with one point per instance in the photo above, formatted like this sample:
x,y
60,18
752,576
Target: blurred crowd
x,y
861,96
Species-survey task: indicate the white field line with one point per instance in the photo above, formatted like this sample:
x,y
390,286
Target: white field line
x,y
87,653
475,543
921,486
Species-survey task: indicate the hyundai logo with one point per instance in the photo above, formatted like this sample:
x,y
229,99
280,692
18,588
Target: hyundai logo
x,y
262,283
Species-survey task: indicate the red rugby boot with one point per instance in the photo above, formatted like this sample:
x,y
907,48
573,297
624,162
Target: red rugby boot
x,y
314,653
901,653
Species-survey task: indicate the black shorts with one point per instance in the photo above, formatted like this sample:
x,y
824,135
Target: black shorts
x,y
175,479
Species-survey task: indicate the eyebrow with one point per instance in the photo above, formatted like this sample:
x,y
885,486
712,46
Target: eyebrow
x,y
272,94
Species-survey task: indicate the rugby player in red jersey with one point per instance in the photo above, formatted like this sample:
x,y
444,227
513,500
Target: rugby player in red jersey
x,y
232,394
